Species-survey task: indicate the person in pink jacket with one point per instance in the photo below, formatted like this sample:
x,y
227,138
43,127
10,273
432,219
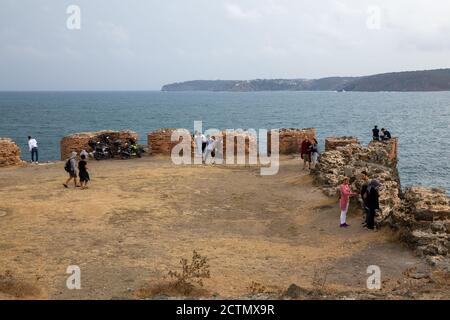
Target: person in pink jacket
x,y
344,201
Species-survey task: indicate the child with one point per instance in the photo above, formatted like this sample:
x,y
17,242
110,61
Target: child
x,y
83,172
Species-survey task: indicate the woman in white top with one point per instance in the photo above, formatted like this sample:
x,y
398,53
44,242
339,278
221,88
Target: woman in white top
x,y
209,149
198,143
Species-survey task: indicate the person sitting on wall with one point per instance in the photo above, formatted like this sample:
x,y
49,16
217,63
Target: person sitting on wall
x,y
376,134
385,135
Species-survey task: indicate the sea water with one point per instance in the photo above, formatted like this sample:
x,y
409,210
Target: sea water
x,y
421,119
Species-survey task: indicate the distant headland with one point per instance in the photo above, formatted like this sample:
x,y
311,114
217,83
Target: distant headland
x,y
424,80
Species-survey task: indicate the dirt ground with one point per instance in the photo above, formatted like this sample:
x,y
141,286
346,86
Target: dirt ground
x,y
140,217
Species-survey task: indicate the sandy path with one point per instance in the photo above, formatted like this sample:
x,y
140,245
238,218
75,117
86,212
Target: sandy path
x,y
140,217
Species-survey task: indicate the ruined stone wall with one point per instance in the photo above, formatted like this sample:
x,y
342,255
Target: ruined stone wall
x,y
332,143
424,223
79,141
290,140
159,141
9,153
421,215
349,161
388,152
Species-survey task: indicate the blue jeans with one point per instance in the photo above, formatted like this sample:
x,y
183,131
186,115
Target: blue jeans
x,y
34,152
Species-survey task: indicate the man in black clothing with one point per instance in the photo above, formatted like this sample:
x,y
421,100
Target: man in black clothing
x,y
364,196
376,133
372,202
386,134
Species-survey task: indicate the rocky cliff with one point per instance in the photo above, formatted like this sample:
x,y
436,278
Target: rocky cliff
x,y
421,215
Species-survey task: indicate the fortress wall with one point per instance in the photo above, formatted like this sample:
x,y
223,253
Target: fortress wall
x,y
79,141
422,215
9,153
332,143
290,140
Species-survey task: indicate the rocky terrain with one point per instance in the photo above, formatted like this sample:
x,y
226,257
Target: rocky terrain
x,y
421,215
9,153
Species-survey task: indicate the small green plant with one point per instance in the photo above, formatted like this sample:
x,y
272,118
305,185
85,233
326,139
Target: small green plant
x,y
192,273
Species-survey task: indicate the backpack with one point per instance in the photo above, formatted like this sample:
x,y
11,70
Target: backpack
x,y
68,166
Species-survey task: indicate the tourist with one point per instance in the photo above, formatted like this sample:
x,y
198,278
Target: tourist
x,y
372,202
376,134
32,145
204,143
71,168
84,153
210,148
364,196
385,135
83,172
198,139
345,193
305,153
314,153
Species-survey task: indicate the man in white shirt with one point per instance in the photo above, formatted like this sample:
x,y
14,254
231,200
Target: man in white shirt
x,y
198,142
32,145
204,143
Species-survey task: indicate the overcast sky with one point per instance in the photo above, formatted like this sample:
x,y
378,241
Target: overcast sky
x,y
143,44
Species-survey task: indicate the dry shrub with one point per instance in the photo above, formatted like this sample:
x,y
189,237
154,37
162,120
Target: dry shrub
x,y
256,288
320,277
192,273
185,282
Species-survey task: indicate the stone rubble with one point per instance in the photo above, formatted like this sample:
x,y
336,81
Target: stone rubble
x,y
424,223
332,143
350,160
291,139
421,215
9,153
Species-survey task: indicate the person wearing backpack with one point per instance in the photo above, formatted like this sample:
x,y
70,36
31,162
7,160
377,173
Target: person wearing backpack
x,y
71,168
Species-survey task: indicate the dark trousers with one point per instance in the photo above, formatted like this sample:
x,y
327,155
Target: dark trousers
x,y
34,154
365,213
371,218
204,146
